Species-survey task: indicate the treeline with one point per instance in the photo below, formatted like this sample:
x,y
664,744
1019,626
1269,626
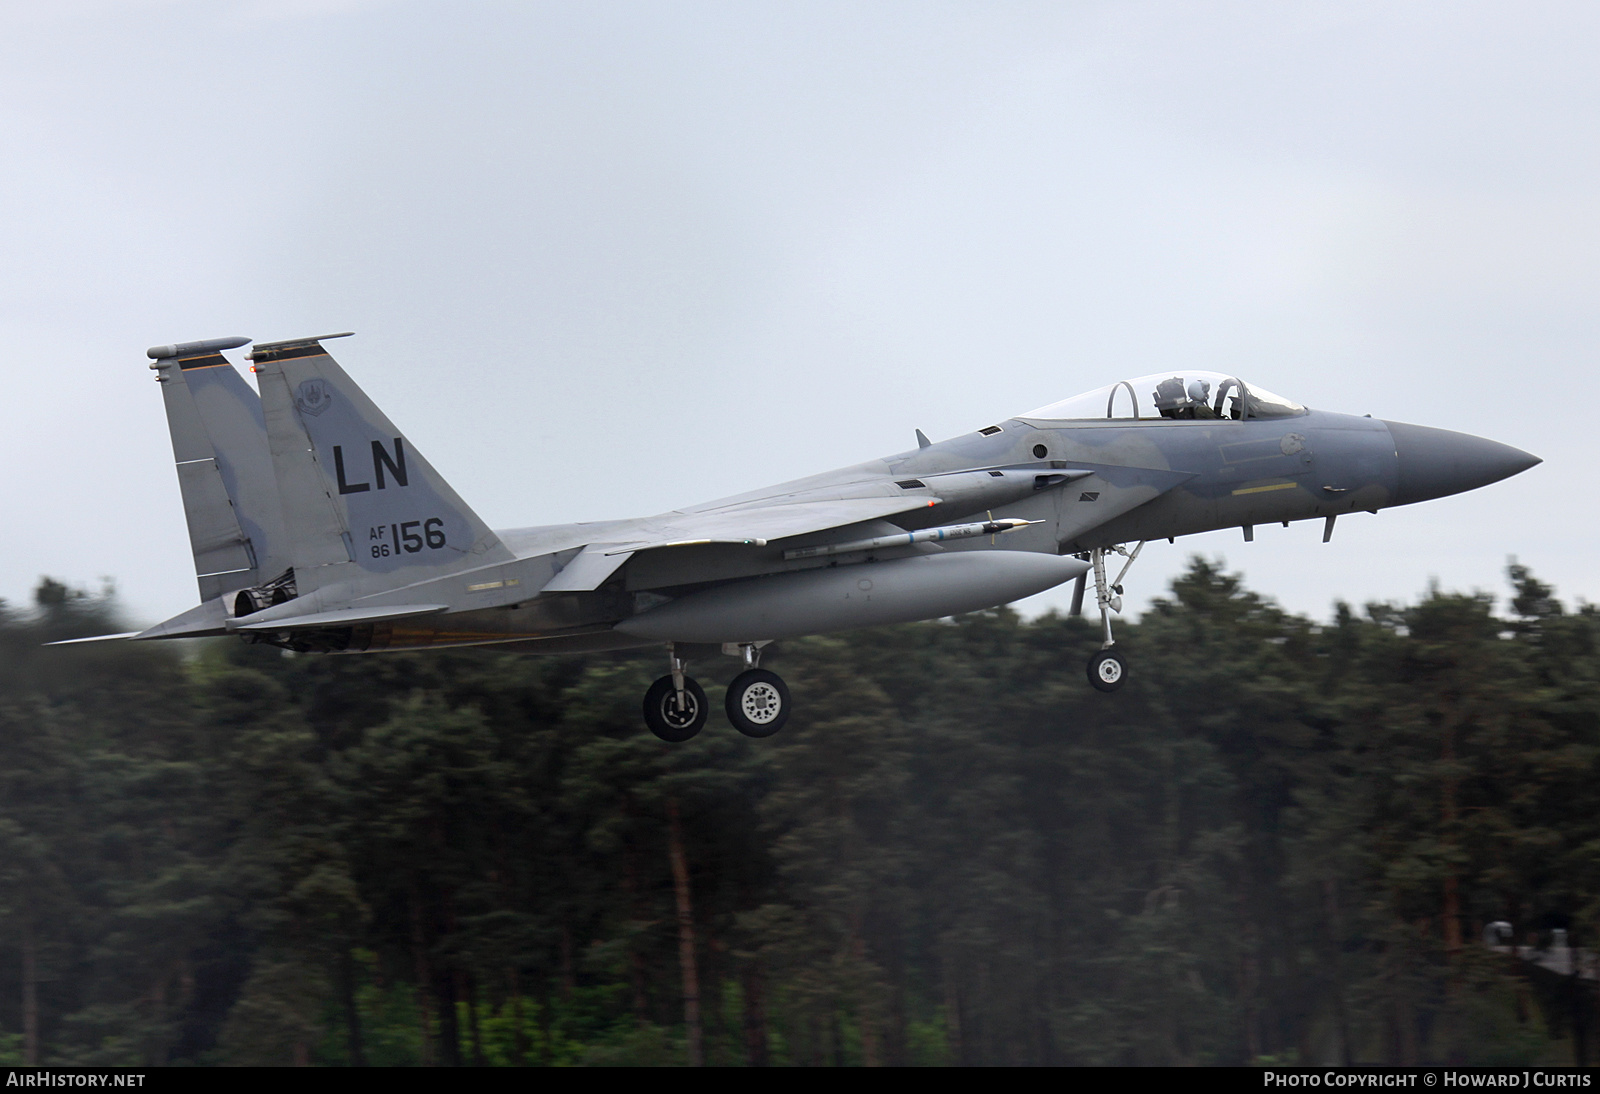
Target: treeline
x,y
1281,842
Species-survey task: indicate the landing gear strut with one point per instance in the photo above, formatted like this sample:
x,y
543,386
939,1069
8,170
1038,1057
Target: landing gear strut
x,y
1107,669
675,707
758,701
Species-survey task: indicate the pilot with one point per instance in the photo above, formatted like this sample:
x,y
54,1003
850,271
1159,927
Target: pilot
x,y
1200,397
1175,400
1170,398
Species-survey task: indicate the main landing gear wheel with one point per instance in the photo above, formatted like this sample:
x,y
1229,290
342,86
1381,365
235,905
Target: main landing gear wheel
x,y
1107,670
757,703
667,717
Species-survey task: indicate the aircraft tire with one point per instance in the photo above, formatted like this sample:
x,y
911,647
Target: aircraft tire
x,y
1107,670
661,711
757,703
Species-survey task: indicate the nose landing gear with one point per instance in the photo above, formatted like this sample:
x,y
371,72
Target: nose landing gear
x,y
1107,669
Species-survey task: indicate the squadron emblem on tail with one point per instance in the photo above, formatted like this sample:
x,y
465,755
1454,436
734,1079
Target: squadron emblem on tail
x,y
312,397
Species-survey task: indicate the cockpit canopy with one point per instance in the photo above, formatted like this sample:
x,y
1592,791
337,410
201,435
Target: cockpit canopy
x,y
1187,394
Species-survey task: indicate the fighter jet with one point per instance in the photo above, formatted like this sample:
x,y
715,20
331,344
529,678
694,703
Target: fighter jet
x,y
317,526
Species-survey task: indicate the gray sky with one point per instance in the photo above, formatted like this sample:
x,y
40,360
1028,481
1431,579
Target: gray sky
x,y
609,259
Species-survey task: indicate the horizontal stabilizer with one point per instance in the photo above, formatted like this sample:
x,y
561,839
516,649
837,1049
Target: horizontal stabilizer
x,y
342,617
206,620
95,638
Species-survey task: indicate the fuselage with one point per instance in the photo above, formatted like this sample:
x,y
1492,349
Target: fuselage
x,y
316,526
1086,484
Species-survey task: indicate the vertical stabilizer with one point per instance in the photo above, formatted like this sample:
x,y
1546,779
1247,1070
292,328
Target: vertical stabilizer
x,y
361,507
219,442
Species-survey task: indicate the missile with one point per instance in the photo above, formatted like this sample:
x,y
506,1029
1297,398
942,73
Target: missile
x,y
926,535
865,594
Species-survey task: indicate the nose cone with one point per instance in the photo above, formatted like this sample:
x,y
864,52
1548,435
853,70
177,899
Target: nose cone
x,y
1435,463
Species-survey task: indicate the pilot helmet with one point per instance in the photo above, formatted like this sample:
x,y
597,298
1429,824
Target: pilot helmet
x,y
1199,391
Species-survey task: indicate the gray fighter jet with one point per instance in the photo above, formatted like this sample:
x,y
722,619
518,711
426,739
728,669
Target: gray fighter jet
x,y
318,527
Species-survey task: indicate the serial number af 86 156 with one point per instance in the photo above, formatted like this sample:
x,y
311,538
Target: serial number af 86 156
x,y
392,539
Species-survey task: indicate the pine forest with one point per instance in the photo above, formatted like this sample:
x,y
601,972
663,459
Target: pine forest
x,y
1282,843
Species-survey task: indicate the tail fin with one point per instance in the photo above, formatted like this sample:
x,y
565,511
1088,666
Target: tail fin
x,y
219,440
361,507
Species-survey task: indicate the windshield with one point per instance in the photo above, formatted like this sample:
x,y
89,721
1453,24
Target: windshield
x,y
1181,395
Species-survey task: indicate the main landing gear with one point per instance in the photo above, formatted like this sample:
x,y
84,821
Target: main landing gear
x,y
1107,669
757,702
675,707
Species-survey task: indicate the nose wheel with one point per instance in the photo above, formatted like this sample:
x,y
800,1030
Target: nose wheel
x,y
1107,670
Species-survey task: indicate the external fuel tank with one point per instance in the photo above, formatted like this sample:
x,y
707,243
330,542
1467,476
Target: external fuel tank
x,y
865,594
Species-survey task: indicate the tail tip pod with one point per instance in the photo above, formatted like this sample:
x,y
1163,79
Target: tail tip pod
x,y
188,349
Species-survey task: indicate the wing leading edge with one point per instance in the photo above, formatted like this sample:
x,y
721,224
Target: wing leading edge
x,y
755,527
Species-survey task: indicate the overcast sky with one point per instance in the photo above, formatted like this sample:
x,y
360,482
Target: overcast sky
x,y
607,259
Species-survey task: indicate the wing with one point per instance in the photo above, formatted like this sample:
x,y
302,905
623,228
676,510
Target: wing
x,y
754,526
757,526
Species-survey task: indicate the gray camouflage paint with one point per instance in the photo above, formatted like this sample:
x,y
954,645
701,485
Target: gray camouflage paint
x,y
347,483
